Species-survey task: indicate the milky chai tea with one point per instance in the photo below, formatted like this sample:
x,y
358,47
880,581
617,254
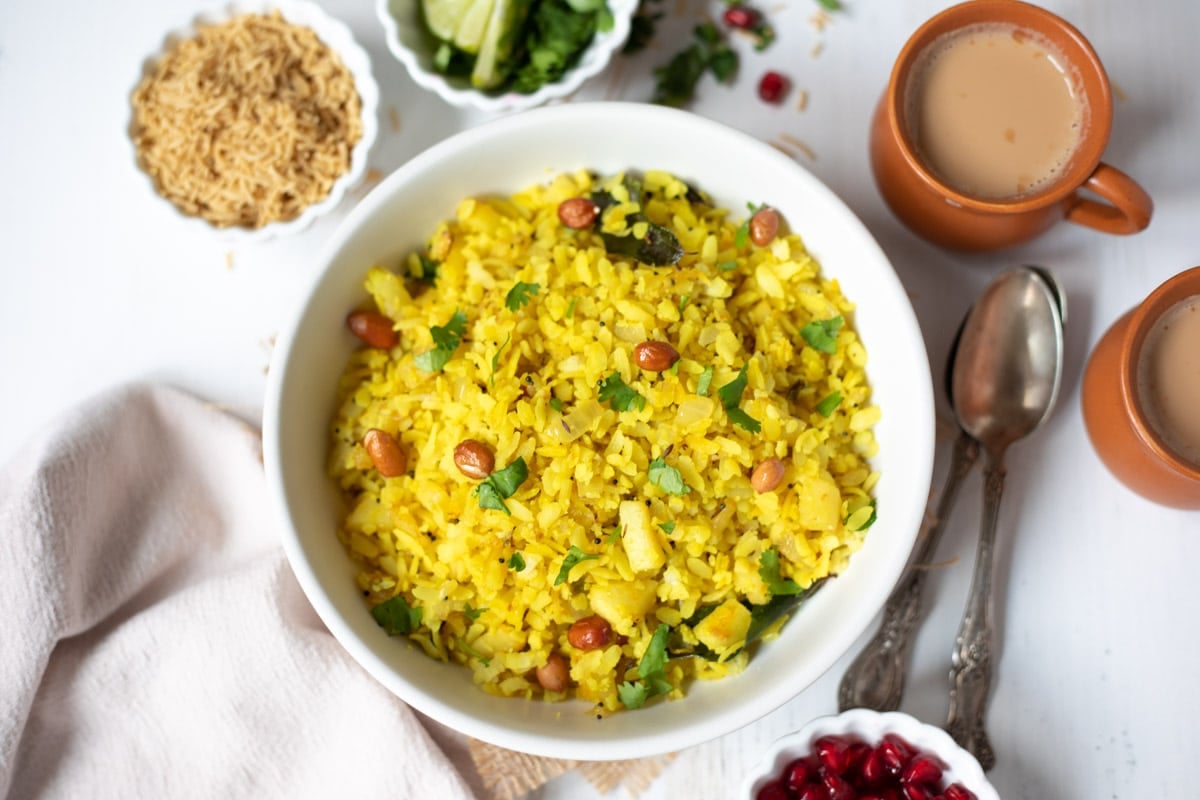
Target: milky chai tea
x,y
1168,378
993,111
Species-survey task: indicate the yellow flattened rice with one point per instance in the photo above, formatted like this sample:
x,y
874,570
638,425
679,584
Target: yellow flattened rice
x,y
617,491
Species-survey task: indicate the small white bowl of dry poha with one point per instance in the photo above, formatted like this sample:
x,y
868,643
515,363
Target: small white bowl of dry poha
x,y
255,118
590,445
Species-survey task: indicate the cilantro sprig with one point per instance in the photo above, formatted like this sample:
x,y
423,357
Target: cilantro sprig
x,y
574,556
731,397
822,334
675,82
502,484
396,616
667,478
446,339
619,395
520,295
652,672
768,570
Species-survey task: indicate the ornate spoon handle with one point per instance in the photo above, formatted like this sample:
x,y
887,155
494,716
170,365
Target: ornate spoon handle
x,y
971,662
876,678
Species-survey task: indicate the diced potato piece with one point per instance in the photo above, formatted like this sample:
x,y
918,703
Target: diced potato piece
x,y
622,604
725,627
641,545
820,504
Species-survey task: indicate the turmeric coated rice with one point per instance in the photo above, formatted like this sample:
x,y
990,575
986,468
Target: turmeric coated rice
x,y
619,495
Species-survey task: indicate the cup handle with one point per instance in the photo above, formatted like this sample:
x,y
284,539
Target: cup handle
x,y
1128,208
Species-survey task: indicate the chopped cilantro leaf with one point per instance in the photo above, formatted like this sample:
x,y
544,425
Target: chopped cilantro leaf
x,y
655,658
768,570
619,395
501,484
446,339
574,556
633,694
496,358
731,396
516,562
743,420
571,307
724,63
822,334
520,294
396,617
616,534
428,270
704,381
830,5
473,613
668,526
731,264
742,236
683,301
556,404
667,477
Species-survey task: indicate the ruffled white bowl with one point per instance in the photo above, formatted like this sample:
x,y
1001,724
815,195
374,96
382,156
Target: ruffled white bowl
x,y
337,37
413,45
871,727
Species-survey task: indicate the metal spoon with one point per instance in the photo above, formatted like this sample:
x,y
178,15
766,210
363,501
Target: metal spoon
x,y
1005,380
876,678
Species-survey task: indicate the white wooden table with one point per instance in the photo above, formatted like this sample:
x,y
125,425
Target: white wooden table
x,y
1097,693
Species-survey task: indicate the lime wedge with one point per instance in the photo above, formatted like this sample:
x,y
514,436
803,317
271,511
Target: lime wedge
x,y
491,67
473,26
444,16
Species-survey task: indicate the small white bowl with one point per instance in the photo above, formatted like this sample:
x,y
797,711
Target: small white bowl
x,y
871,727
411,43
507,155
337,37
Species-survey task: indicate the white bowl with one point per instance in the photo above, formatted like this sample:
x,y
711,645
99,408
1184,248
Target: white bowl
x,y
337,37
412,44
871,727
510,154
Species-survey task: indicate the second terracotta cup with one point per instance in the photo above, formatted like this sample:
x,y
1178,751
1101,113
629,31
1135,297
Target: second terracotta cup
x,y
947,217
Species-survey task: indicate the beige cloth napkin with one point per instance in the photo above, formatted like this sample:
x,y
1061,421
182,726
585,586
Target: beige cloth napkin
x,y
156,643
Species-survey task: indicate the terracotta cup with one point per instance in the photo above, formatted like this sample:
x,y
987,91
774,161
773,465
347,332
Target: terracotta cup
x,y
958,221
1116,421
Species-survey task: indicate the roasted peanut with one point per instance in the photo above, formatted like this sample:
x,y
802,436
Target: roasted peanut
x,y
763,226
767,475
590,633
655,356
385,453
373,328
474,459
554,675
577,213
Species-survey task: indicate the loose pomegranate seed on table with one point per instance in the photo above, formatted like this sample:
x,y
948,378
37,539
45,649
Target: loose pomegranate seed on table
x,y
772,87
741,17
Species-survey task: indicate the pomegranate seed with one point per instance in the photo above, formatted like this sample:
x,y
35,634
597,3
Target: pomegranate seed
x,y
922,770
914,791
772,87
872,769
956,791
838,788
812,791
856,755
798,773
772,791
831,752
894,752
740,17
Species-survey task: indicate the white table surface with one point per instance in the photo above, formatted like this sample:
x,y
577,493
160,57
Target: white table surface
x,y
1097,692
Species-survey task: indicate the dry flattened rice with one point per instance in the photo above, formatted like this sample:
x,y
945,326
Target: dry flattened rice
x,y
636,504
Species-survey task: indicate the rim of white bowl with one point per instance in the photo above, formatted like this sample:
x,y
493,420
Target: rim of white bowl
x,y
336,35
767,697
871,726
591,63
